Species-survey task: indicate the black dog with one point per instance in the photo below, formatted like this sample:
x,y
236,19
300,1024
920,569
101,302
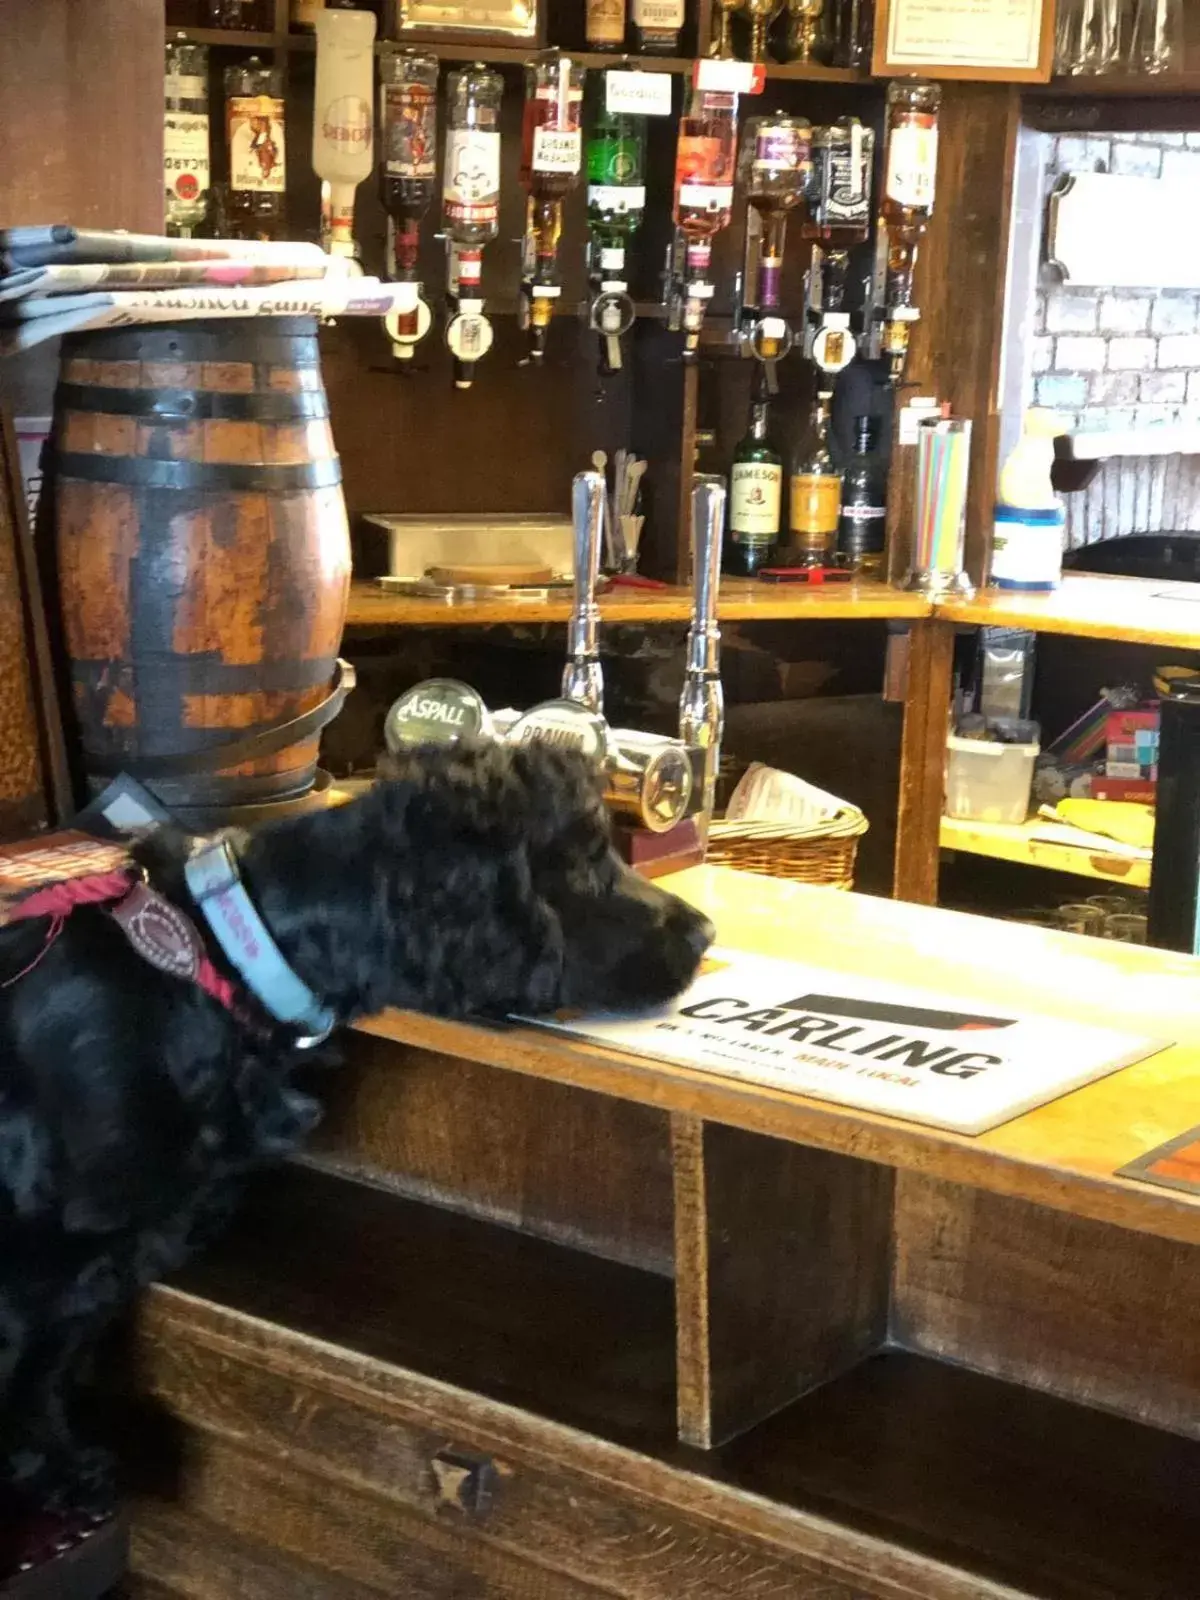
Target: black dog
x,y
474,883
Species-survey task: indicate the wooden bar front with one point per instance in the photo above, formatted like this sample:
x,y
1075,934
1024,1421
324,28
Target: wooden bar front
x,y
545,1322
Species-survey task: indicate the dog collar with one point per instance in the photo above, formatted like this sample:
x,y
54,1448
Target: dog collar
x,y
215,882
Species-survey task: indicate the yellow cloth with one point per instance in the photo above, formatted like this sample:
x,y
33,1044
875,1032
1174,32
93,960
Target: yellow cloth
x,y
1127,821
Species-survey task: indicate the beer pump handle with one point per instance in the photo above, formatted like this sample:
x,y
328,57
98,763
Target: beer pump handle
x,y
583,680
702,705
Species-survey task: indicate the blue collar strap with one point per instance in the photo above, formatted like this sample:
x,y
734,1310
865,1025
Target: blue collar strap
x,y
217,888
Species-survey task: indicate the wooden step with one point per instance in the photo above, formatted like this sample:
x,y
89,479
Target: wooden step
x,y
380,1391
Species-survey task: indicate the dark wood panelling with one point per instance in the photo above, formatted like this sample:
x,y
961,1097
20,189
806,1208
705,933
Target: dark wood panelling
x,y
782,1261
579,1168
1048,1300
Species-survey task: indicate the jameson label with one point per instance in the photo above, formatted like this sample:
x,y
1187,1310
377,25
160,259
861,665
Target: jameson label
x,y
256,144
409,130
185,154
472,191
557,150
756,495
912,162
779,147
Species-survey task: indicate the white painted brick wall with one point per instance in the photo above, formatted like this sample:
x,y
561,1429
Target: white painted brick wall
x,y
1121,358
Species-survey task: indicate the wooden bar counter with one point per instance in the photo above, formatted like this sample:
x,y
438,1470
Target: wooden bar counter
x,y
544,1322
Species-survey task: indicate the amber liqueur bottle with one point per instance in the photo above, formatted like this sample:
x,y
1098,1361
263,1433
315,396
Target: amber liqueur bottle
x,y
815,494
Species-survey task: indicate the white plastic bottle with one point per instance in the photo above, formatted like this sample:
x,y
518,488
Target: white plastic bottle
x,y
343,121
1027,546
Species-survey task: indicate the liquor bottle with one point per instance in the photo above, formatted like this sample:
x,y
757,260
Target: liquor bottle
x,y
839,219
254,113
551,160
605,28
853,25
755,490
304,13
470,206
705,165
616,173
407,152
658,23
910,177
185,138
815,497
774,171
234,14
862,526
343,117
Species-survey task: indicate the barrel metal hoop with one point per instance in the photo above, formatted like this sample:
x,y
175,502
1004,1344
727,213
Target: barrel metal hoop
x,y
214,477
186,405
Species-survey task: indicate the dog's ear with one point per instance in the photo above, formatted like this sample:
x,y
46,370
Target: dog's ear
x,y
562,794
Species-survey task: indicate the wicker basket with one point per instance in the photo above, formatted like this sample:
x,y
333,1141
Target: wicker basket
x,y
822,854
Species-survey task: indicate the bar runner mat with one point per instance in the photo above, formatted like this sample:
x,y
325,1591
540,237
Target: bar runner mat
x,y
1174,1165
927,1057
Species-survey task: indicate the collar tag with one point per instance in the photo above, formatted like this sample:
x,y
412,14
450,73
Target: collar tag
x,y
159,932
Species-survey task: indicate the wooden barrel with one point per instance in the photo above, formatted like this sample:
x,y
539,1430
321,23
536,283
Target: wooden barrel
x,y
204,559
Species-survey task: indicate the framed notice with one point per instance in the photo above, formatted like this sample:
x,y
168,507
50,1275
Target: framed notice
x,y
1009,40
862,1041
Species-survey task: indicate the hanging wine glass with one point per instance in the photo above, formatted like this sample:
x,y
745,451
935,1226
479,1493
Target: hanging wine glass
x,y
722,44
1089,37
1157,43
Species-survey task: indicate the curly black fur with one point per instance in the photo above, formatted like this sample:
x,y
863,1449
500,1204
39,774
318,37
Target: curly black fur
x,y
472,883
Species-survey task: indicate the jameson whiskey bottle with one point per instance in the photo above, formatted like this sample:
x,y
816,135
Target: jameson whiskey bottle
x,y
257,173
755,492
658,23
862,526
815,495
185,138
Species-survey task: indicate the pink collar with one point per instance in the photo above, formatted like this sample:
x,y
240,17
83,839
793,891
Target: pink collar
x,y
156,928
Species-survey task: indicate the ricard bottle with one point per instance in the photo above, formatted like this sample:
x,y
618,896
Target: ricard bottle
x,y
185,138
755,491
862,526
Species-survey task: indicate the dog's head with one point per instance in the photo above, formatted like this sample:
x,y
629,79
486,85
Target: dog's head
x,y
473,881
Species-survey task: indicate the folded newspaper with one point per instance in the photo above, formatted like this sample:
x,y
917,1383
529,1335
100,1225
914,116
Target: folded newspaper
x,y
63,280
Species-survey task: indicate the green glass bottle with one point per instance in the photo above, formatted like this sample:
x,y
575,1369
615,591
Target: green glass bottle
x,y
755,492
616,174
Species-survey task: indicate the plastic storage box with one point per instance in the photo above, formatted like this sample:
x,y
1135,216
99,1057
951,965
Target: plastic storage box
x,y
987,781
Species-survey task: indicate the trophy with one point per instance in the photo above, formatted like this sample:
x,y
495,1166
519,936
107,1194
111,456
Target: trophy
x,y
761,14
804,29
721,47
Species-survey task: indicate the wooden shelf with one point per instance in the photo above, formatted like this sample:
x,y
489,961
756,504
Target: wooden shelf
x,y
1005,841
1131,610
1120,86
350,1333
741,601
1064,1155
227,38
507,54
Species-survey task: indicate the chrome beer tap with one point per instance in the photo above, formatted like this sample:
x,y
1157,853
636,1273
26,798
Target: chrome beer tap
x,y
583,680
702,703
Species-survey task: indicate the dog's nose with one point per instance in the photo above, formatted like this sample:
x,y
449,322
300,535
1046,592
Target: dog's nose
x,y
699,933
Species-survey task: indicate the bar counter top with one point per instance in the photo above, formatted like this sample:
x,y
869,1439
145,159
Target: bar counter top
x,y
741,600
1064,1155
